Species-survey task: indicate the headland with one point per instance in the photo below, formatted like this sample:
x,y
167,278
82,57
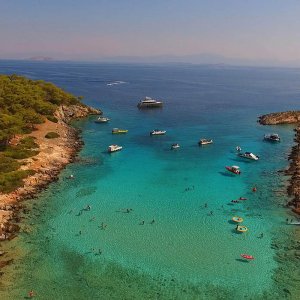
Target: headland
x,y
289,117
50,156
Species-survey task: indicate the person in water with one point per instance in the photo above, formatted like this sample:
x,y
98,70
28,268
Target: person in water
x,y
31,294
152,222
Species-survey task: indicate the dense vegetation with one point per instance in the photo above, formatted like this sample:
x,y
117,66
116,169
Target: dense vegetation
x,y
24,103
51,135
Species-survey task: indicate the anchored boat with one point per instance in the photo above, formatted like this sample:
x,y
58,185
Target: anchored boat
x,y
205,142
248,155
175,146
119,131
241,229
102,120
149,103
114,148
233,169
273,137
237,219
247,256
158,132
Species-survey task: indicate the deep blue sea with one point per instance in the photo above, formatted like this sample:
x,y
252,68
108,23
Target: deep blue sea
x,y
191,250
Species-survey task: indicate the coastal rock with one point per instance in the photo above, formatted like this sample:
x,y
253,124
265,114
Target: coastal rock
x,y
68,113
288,117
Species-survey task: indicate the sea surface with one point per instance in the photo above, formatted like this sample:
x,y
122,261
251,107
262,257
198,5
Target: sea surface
x,y
177,241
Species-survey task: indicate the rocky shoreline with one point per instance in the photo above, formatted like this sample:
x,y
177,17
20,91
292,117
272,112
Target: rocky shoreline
x,y
54,155
289,117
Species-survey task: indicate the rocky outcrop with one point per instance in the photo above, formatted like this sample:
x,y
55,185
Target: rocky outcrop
x,y
294,172
288,117
67,113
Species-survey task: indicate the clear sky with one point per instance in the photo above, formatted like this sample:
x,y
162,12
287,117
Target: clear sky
x,y
93,29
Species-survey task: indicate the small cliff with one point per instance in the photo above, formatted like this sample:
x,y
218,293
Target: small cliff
x,y
288,117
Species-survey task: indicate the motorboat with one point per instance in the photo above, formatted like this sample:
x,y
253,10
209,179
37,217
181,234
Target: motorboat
x,y
248,155
114,148
158,132
247,256
205,142
237,219
119,131
273,137
233,169
149,103
102,120
175,146
241,229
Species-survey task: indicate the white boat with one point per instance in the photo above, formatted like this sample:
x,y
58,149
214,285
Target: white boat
x,y
102,120
175,146
114,148
248,155
273,137
205,142
158,132
149,103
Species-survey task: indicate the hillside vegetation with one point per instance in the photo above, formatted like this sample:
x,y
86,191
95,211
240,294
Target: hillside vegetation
x,y
25,102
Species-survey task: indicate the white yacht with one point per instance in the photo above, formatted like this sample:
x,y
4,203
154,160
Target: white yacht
x,y
114,148
175,146
248,155
149,103
205,142
102,120
158,132
273,137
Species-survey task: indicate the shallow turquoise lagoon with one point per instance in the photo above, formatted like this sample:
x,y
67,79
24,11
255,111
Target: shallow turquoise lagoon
x,y
177,241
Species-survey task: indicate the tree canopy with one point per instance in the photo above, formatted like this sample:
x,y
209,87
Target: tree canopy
x,y
25,102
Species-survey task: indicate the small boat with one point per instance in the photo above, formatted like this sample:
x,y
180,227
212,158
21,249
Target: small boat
x,y
248,155
234,169
237,219
102,120
114,148
119,131
242,198
273,137
293,223
205,142
175,146
247,256
241,229
149,103
158,132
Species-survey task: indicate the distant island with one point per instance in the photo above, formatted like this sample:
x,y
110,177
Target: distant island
x,y
40,58
36,141
289,117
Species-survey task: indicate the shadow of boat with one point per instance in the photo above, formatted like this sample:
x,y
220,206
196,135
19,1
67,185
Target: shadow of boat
x,y
242,260
227,174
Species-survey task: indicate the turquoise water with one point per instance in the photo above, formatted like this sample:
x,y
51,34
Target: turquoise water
x,y
191,250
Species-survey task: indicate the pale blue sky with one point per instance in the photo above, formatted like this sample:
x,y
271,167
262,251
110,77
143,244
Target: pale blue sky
x,y
93,29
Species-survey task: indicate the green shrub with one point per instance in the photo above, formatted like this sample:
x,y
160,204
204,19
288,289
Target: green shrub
x,y
52,119
52,135
8,164
12,180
